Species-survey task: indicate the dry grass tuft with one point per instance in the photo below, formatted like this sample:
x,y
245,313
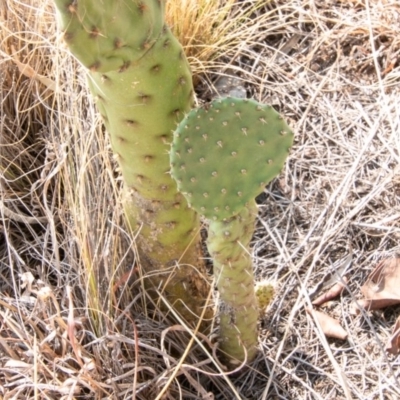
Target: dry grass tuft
x,y
208,28
72,325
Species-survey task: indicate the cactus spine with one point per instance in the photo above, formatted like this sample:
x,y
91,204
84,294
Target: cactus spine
x,y
142,83
222,156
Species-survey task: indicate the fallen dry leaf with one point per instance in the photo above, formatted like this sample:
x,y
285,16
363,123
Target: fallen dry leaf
x,y
393,344
333,292
382,287
330,326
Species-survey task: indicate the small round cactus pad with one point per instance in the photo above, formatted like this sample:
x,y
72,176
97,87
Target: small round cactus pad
x,y
224,154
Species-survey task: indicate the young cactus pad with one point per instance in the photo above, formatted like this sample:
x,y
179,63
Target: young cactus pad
x,y
224,154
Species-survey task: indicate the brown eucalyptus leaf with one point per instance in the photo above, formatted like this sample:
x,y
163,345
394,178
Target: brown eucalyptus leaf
x,y
382,288
393,344
330,326
332,293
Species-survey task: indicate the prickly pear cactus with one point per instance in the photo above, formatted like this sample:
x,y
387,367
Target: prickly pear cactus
x,y
222,156
141,80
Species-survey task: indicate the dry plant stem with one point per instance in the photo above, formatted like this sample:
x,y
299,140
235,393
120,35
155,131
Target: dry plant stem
x,y
20,217
142,83
238,311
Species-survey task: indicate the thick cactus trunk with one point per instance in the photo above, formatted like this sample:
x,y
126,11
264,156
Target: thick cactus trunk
x,y
142,82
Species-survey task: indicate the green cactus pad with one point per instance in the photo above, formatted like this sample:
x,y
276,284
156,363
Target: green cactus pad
x,y
224,154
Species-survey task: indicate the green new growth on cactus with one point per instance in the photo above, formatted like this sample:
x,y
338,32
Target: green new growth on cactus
x,y
222,156
141,80
264,292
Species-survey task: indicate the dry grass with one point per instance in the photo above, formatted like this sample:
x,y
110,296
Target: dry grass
x,y
207,28
69,327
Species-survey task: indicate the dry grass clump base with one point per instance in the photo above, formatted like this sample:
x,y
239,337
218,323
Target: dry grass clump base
x,y
74,321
